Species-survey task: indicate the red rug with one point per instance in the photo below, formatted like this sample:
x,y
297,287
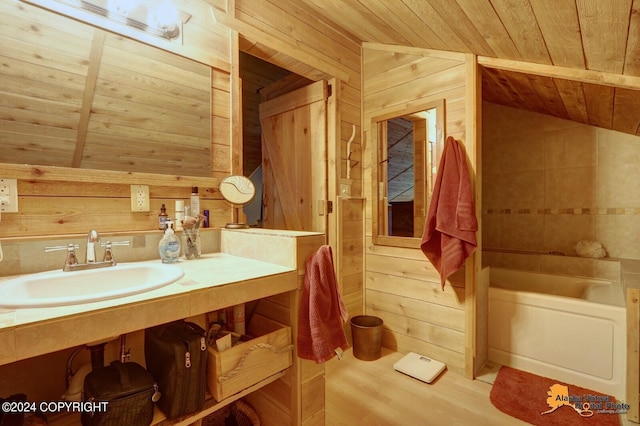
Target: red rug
x,y
526,396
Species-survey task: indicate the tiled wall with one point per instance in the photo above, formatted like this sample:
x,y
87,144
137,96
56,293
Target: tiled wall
x,y
548,183
28,256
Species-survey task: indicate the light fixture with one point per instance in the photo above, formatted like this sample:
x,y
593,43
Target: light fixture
x,y
160,18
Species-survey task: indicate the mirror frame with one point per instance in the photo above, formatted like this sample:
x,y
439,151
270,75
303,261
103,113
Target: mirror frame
x,y
378,157
69,174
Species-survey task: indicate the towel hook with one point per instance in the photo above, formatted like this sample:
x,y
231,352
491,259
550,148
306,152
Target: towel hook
x,y
353,136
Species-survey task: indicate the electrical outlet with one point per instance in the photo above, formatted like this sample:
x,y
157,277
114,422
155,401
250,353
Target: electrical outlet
x,y
9,195
140,198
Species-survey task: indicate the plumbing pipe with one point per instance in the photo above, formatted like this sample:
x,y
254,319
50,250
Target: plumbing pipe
x,y
97,355
124,353
74,382
69,371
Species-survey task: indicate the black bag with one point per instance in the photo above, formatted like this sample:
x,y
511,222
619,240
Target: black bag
x,y
130,391
8,418
176,355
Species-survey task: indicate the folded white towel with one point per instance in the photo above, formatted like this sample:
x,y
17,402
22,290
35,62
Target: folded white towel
x,y
593,249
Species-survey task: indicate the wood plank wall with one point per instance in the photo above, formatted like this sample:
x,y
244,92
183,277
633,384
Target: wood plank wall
x,y
297,398
294,37
150,111
401,286
351,263
44,89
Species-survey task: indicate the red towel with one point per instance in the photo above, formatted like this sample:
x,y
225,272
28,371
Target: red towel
x,y
450,228
322,312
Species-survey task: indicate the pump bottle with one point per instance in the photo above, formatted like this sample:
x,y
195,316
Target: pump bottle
x,y
169,245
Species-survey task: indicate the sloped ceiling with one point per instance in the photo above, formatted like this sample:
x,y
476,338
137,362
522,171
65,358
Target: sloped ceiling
x,y
596,35
597,105
583,34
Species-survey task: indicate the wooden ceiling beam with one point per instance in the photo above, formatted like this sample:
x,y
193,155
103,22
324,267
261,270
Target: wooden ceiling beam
x,y
418,51
95,58
583,76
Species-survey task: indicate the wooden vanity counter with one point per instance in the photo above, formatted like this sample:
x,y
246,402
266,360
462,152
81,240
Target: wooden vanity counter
x,y
252,264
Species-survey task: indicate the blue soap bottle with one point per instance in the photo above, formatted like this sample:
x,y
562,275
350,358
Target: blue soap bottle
x,y
169,245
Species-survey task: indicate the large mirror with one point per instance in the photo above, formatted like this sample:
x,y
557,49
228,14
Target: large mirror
x,y
408,145
79,97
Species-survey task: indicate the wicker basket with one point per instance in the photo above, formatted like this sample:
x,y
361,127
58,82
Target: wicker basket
x,y
237,413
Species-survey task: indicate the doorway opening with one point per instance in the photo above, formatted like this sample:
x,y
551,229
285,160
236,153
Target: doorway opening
x,y
261,81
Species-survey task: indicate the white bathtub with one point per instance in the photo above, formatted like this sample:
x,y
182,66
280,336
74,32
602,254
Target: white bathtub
x,y
566,328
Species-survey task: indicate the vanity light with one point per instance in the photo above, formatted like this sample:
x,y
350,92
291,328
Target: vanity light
x,y
160,19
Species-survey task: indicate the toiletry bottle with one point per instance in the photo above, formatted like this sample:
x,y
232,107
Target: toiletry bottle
x,y
238,319
195,202
179,214
206,219
169,246
163,217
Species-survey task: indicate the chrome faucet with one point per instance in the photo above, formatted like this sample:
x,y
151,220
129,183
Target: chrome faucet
x,y
93,238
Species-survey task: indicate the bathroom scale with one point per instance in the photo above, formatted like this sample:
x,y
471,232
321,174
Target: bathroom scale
x,y
419,367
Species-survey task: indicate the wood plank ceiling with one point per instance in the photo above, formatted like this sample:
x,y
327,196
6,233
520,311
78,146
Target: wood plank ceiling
x,y
596,35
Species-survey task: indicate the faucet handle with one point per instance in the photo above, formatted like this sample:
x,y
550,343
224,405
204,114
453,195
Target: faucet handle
x,y
108,253
68,247
71,254
115,243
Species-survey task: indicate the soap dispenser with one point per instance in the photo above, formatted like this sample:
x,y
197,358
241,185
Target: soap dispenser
x,y
169,246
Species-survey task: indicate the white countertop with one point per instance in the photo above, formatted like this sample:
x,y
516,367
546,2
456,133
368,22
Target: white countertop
x,y
213,269
214,281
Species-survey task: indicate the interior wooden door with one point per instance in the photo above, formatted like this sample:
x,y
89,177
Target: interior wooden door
x,y
294,159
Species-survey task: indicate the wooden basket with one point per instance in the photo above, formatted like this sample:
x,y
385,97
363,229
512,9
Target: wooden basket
x,y
247,363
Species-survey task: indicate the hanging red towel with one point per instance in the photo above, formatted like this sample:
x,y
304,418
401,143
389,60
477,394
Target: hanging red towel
x,y
322,312
450,228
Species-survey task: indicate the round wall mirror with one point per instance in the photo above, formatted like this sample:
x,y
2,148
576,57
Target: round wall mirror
x,y
239,191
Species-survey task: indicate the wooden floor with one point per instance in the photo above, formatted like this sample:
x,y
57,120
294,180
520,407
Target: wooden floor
x,y
373,393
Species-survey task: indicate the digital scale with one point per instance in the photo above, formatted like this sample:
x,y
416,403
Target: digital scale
x,y
419,367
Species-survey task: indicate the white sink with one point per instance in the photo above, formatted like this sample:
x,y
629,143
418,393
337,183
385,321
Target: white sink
x,y
58,288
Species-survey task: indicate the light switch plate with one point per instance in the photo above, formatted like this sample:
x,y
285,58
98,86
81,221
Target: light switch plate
x,y
140,198
345,190
9,195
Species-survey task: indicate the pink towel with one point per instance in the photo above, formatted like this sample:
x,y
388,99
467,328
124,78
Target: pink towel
x,y
322,312
450,228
